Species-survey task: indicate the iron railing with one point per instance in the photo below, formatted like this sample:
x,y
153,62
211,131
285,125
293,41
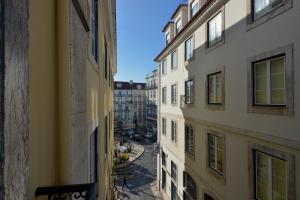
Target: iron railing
x,y
69,192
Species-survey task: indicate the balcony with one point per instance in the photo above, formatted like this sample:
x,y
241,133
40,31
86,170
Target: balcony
x,y
79,191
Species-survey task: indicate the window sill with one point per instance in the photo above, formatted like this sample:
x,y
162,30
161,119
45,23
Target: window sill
x,y
217,175
251,23
270,110
214,107
214,46
188,61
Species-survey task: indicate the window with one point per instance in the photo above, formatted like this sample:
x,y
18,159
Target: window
x,y
272,173
190,188
189,49
189,91
174,60
173,131
106,59
173,191
106,135
164,126
168,37
189,139
173,171
164,67
94,156
216,153
174,94
269,82
163,158
194,7
178,25
260,11
163,179
261,7
214,31
215,88
270,177
164,95
94,31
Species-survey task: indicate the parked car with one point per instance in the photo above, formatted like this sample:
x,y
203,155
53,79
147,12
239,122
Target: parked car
x,y
130,133
137,137
148,135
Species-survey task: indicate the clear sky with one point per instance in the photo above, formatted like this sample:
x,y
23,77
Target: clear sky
x,y
139,36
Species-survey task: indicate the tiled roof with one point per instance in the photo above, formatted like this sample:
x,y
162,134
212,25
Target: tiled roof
x,y
123,85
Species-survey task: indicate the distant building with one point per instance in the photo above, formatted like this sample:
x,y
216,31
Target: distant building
x,y
151,105
130,106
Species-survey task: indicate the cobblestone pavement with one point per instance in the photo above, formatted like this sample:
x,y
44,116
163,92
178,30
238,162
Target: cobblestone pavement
x,y
139,175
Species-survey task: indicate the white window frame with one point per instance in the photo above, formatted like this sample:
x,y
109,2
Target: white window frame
x,y
214,75
268,8
195,4
164,95
189,139
167,37
164,67
164,125
174,65
178,25
268,76
174,94
216,147
219,38
270,178
189,50
173,131
189,100
174,172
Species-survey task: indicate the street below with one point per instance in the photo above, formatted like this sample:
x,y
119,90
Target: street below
x,y
139,175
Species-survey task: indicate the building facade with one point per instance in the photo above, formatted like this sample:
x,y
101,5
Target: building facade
x,y
151,104
58,59
130,106
229,101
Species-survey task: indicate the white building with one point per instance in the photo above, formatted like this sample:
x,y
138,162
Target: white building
x,y
130,106
151,105
229,95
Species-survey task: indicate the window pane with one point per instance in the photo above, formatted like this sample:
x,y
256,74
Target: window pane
x,y
211,150
220,155
218,88
278,179
211,89
262,171
277,81
261,83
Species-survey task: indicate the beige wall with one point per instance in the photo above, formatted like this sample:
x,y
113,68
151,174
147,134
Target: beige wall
x,y
53,110
238,126
43,127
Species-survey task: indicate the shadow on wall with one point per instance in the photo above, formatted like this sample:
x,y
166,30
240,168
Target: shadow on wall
x,y
229,58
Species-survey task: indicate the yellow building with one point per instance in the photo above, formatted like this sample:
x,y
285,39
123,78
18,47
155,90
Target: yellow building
x,y
58,59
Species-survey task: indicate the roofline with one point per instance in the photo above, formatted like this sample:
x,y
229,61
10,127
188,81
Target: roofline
x,y
166,26
177,9
199,13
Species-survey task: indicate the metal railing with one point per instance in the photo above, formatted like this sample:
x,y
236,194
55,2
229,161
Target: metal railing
x,y
69,192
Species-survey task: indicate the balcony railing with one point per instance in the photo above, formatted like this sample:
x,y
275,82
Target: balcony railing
x,y
69,192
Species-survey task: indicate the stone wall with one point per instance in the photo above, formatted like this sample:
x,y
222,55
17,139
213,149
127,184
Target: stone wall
x,y
79,136
16,123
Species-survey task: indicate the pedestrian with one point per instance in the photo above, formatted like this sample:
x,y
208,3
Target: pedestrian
x,y
124,183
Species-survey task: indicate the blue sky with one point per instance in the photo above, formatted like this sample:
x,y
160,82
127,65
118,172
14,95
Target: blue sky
x,y
139,26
